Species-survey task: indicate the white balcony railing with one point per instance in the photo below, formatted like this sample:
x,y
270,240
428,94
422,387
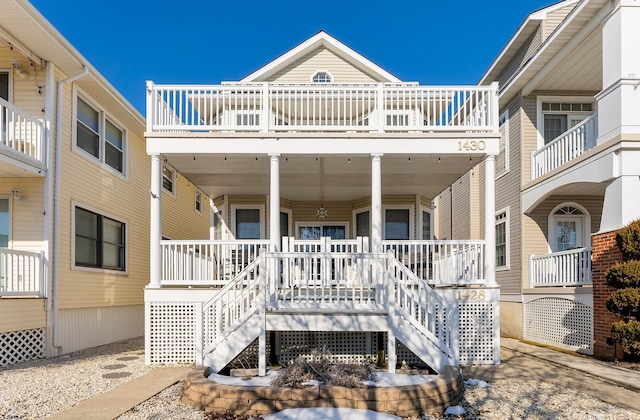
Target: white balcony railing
x,y
22,133
21,273
566,147
566,268
269,107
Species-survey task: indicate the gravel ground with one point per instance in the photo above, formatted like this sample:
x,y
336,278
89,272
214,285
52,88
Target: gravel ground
x,y
36,389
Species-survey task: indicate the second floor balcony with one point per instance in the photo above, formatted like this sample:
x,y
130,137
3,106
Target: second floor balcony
x,y
321,107
22,141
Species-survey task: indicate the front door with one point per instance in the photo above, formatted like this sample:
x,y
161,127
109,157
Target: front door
x,y
568,233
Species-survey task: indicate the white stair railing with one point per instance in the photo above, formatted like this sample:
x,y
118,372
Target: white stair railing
x,y
233,305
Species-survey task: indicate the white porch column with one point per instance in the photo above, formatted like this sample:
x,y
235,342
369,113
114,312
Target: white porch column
x,y
376,203
274,203
490,220
155,257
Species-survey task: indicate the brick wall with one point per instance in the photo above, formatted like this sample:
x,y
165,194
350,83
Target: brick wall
x,y
605,254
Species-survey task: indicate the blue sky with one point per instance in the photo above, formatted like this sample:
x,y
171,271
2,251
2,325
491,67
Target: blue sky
x,y
206,42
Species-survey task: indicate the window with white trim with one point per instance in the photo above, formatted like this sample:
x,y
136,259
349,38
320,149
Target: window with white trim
x,y
99,136
426,225
502,239
362,223
248,223
168,179
502,160
99,241
198,201
322,77
558,117
397,224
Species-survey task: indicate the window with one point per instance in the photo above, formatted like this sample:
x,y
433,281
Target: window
x,y
248,224
217,224
4,85
99,136
322,77
558,117
198,200
426,225
502,239
362,223
284,224
99,241
5,220
396,224
568,227
168,179
502,160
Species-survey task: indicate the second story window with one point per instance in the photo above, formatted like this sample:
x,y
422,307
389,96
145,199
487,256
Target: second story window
x,y
99,136
558,117
321,77
198,201
168,179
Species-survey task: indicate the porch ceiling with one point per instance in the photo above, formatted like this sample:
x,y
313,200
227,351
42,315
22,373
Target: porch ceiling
x,y
308,178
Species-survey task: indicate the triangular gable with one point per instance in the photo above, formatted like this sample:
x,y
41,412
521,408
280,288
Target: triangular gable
x,y
320,43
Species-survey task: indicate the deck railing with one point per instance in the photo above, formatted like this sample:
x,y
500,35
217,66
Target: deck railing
x,y
566,268
441,262
21,273
566,147
269,107
22,133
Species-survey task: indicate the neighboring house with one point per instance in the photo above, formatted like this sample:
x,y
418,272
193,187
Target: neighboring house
x,y
322,167
567,175
74,197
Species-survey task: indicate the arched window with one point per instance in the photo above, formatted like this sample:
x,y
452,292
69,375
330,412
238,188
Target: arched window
x,y
322,77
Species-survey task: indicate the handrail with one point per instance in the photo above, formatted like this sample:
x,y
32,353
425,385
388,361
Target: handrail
x,y
21,273
566,147
357,107
22,133
566,268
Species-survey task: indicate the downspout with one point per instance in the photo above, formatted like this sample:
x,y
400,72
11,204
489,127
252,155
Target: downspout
x,y
56,204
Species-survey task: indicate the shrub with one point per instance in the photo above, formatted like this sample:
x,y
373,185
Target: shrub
x,y
624,275
625,303
627,334
628,240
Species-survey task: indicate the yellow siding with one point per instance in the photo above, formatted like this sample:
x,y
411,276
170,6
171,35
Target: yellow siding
x,y
27,218
17,314
179,217
25,91
303,69
461,207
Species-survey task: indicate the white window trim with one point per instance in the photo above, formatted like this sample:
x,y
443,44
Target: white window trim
x,y
195,200
11,201
355,220
76,204
103,116
10,71
173,181
540,115
551,225
260,207
290,219
505,170
398,207
321,71
507,251
315,223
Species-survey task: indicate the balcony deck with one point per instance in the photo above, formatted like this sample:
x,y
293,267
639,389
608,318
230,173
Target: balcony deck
x,y
22,142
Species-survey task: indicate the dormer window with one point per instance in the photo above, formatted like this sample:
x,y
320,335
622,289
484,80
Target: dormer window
x,y
321,77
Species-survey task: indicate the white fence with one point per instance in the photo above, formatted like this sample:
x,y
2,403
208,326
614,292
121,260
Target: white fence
x,y
21,132
21,273
267,107
566,268
566,147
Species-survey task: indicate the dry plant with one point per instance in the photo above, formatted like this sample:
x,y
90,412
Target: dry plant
x,y
319,367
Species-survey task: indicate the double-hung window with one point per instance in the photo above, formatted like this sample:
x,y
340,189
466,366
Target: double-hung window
x,y
169,179
502,239
100,136
99,241
198,201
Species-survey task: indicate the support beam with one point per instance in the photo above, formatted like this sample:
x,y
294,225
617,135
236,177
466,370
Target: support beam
x,y
155,256
490,220
376,203
274,203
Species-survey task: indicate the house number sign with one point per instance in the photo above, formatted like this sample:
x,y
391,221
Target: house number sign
x,y
470,295
471,145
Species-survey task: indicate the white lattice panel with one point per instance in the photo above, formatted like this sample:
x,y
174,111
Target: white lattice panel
x,y
560,322
18,346
346,347
477,335
172,332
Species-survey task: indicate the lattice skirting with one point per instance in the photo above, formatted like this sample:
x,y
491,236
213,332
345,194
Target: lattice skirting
x,y
18,346
559,322
172,332
477,336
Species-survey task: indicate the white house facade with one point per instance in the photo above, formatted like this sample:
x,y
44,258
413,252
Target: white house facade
x,y
323,168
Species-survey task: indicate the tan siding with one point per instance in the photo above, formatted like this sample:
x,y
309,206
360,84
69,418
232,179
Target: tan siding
x,y
443,215
302,70
528,135
462,207
18,314
474,206
508,196
524,54
554,19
